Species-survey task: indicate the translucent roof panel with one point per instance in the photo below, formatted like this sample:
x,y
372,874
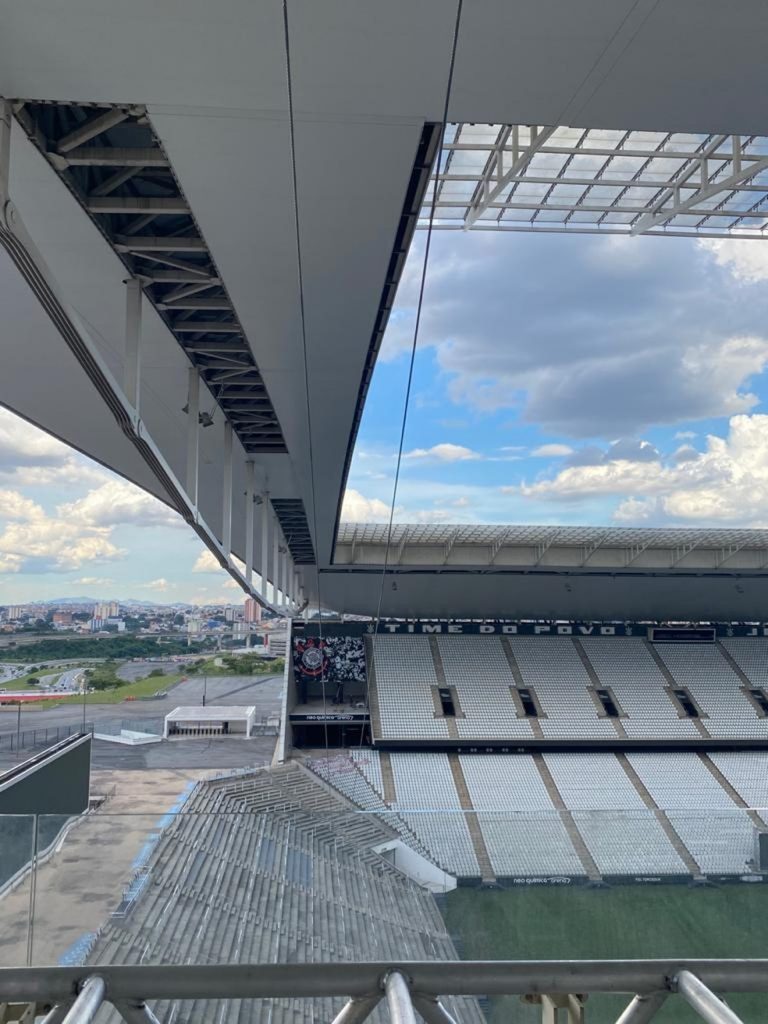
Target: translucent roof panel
x,y
534,177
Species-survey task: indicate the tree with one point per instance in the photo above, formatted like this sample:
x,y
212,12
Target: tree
x,y
32,681
155,673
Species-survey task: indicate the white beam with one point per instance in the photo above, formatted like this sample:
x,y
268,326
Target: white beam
x,y
489,193
5,152
265,540
226,510
132,362
249,536
193,433
275,559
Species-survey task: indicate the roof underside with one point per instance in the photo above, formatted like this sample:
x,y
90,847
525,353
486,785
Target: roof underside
x,y
676,145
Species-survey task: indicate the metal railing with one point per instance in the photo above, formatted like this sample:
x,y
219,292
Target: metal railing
x,y
73,995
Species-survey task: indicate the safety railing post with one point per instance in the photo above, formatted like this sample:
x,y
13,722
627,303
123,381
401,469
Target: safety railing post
x,y
87,1004
356,1010
703,1000
398,999
642,1008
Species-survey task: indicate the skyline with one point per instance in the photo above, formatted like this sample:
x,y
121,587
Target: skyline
x,y
558,380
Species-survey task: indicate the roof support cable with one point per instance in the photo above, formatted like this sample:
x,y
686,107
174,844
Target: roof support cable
x,y
303,320
415,340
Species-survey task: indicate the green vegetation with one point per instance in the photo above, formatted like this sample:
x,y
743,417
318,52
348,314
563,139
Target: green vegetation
x,y
121,647
237,665
26,682
626,921
141,688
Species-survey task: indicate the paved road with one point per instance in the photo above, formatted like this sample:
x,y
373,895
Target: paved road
x,y
261,691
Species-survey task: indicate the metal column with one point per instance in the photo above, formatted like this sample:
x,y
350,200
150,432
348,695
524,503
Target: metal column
x,y
275,558
265,542
249,522
132,363
193,434
226,497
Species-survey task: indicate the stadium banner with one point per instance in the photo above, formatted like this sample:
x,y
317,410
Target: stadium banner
x,y
505,627
335,659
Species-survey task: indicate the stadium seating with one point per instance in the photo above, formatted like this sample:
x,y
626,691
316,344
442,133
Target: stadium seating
x,y
748,774
261,869
405,673
428,801
621,833
477,667
717,832
628,668
715,688
523,831
479,670
553,667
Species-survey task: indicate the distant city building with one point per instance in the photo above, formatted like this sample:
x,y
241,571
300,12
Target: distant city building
x,y
229,614
251,610
194,624
106,610
96,624
62,620
16,611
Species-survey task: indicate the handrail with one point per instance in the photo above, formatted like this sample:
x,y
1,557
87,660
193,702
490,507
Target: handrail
x,y
426,980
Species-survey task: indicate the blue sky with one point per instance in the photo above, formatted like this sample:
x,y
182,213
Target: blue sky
x,y
558,379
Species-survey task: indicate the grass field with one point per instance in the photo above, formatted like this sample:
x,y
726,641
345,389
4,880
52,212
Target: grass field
x,y
621,922
141,688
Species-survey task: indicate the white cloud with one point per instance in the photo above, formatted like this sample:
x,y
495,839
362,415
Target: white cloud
x,y
746,260
685,435
160,584
118,502
94,581
444,453
206,562
32,541
30,457
359,509
635,510
552,451
727,483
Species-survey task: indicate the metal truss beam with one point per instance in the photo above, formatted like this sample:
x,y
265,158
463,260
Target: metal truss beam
x,y
497,179
126,411
91,128
164,206
116,156
521,178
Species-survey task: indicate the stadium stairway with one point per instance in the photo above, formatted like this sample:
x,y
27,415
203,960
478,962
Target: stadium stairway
x,y
746,682
374,710
673,684
517,675
387,778
437,660
590,868
487,874
669,829
596,683
733,793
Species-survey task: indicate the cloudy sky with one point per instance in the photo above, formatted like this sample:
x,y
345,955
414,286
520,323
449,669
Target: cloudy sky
x,y
558,380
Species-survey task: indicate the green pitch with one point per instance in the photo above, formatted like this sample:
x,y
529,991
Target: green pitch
x,y
622,922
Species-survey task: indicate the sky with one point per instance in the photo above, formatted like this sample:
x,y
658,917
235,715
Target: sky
x,y
558,379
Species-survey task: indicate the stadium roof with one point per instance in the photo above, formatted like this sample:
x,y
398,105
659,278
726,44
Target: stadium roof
x,y
172,152
535,178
